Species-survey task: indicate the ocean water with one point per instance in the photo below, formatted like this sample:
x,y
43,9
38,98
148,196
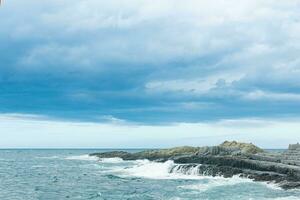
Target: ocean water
x,y
72,174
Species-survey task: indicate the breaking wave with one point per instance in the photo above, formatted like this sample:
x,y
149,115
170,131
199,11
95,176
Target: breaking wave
x,y
85,157
111,160
169,170
160,170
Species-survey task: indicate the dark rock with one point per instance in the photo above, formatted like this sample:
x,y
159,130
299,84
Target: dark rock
x,y
162,155
227,160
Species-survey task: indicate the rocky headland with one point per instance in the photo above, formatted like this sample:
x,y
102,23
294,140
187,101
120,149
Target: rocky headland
x,y
227,159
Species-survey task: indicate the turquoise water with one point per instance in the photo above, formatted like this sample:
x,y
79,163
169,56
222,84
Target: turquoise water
x,y
71,174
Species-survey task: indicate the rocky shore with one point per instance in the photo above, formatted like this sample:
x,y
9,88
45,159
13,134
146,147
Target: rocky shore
x,y
228,159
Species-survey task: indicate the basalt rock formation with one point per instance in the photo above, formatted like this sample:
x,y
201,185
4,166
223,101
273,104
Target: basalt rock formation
x,y
227,159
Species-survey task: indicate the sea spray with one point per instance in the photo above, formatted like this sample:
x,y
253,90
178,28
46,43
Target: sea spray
x,y
111,160
84,157
160,170
186,169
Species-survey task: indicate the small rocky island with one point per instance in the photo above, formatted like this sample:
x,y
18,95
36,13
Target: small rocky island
x,y
228,159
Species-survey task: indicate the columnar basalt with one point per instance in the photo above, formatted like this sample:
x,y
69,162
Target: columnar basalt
x,y
227,159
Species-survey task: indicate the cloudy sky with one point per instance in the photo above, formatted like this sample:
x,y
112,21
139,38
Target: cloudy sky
x,y
141,73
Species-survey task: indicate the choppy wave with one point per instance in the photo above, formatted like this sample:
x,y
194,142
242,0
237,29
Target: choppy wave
x,y
284,198
48,157
118,179
168,170
37,166
87,157
216,182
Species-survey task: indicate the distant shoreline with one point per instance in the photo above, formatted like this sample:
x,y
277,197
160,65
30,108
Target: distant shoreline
x,y
268,149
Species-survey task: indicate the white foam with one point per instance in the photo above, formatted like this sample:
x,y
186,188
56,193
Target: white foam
x,y
271,185
148,169
170,170
111,160
49,157
83,157
216,182
180,170
156,170
285,198
37,166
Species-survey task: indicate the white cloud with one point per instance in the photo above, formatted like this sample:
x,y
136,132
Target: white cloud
x,y
53,54
258,39
147,31
24,131
198,86
271,96
188,46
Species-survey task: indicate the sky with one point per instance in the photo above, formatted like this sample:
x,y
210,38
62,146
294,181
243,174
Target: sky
x,y
141,73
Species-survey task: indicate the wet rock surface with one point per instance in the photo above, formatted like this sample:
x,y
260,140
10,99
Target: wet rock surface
x,y
228,159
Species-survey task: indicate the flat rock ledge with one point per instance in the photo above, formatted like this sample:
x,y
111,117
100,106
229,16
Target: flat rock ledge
x,y
228,159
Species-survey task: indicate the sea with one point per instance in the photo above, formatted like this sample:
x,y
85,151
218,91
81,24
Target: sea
x,y
41,174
